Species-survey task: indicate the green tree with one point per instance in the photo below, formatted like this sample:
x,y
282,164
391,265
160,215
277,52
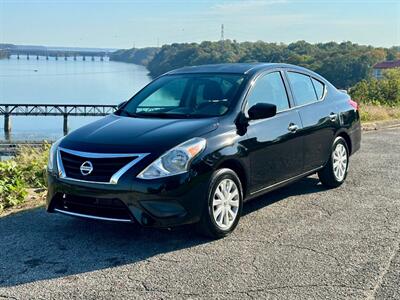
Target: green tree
x,y
385,91
344,64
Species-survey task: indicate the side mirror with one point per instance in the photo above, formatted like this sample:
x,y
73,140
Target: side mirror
x,y
262,111
121,104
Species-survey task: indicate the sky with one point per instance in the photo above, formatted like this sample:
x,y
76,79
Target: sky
x,y
125,24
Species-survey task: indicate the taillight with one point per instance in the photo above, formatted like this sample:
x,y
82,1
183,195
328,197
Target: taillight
x,y
354,104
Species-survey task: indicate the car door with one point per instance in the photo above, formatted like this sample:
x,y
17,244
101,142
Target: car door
x,y
317,115
274,144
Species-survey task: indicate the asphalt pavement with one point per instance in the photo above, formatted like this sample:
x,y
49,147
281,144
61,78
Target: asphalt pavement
x,y
300,242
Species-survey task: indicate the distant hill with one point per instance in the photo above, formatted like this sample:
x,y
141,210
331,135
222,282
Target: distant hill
x,y
81,49
142,56
7,46
344,64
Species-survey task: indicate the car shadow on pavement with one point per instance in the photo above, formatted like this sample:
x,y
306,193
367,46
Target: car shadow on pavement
x,y
308,185
35,245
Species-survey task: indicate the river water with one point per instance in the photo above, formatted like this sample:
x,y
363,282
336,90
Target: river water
x,y
67,82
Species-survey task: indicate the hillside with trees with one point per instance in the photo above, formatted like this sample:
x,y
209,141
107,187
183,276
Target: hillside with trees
x,y
135,56
344,64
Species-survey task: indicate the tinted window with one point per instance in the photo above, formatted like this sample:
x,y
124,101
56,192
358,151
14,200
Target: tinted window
x,y
185,96
168,95
302,88
319,88
214,88
269,89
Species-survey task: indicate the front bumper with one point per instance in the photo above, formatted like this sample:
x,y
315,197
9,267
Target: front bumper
x,y
166,202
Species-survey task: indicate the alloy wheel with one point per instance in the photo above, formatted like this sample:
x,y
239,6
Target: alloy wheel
x,y
225,204
340,161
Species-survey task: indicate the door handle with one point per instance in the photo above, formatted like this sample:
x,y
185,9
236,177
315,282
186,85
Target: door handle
x,y
293,127
333,117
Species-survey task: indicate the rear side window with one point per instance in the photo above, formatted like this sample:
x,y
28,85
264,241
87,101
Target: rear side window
x,y
269,89
302,88
319,88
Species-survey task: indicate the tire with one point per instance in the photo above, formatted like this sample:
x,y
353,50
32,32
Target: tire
x,y
331,176
216,225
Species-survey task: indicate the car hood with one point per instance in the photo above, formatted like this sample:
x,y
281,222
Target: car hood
x,y
117,134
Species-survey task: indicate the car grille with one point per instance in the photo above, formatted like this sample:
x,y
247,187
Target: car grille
x,y
100,208
103,168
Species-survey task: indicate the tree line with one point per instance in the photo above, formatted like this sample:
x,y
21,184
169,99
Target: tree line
x,y
344,64
141,56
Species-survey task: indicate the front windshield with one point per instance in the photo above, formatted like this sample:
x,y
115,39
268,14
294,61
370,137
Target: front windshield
x,y
185,95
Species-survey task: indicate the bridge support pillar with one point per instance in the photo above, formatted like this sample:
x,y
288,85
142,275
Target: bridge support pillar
x,y
7,126
65,125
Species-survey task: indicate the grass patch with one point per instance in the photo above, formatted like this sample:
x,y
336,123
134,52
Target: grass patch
x,y
370,112
27,170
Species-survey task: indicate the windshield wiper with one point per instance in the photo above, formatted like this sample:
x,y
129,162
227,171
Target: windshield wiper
x,y
163,115
129,114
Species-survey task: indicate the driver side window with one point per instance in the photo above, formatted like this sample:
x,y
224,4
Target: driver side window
x,y
269,89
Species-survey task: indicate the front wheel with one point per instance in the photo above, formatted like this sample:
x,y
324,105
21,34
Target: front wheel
x,y
335,171
224,204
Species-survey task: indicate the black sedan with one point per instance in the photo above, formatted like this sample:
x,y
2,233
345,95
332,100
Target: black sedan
x,y
196,143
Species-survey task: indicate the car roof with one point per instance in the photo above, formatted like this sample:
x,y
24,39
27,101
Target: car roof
x,y
234,68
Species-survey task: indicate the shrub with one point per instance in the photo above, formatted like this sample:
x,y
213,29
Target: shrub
x,y
385,91
32,163
26,170
12,185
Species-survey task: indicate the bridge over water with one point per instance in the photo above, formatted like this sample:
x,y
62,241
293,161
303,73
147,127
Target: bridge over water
x,y
64,110
29,53
83,57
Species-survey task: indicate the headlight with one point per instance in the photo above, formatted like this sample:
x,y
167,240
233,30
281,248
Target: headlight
x,y
174,161
52,162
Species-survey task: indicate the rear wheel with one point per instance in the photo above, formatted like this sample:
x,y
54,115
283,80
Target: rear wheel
x,y
335,171
222,211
